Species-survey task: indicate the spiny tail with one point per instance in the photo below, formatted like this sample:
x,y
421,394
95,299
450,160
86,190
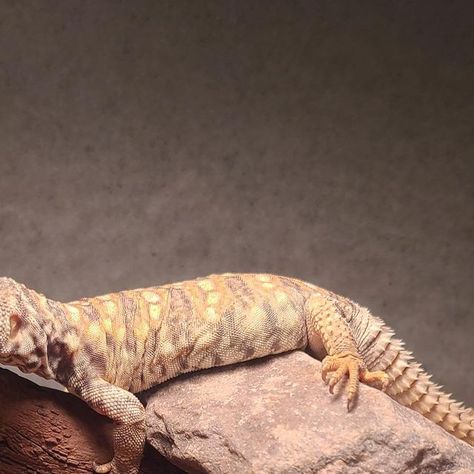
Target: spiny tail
x,y
409,384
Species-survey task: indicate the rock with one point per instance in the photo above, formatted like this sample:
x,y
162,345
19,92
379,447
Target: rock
x,y
275,416
45,431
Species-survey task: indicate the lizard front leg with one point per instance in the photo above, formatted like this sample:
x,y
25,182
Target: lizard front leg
x,y
127,413
326,325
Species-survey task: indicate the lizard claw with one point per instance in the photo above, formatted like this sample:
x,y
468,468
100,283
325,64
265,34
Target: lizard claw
x,y
336,366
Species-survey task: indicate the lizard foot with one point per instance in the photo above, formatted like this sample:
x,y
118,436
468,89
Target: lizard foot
x,y
336,366
103,468
112,468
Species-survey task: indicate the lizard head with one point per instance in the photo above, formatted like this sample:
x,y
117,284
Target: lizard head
x,y
23,340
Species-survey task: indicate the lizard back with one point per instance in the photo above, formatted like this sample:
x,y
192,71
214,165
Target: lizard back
x,y
153,334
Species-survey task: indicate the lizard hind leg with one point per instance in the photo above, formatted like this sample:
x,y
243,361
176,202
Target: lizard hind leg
x,y
327,325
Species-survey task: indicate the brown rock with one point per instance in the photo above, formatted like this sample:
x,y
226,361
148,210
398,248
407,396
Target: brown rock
x,y
44,431
275,416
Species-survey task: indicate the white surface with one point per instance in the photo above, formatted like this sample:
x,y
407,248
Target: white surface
x,y
34,378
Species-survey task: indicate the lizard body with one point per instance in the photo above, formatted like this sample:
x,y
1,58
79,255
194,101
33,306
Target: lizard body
x,y
105,348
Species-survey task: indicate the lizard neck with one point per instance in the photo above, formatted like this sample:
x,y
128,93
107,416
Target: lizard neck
x,y
48,341
28,346
63,335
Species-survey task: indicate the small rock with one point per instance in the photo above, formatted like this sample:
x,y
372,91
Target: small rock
x,y
275,416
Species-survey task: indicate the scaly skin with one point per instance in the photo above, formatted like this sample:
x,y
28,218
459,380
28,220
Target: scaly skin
x,y
106,348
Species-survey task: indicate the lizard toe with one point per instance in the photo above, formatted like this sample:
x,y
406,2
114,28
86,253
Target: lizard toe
x,y
329,364
378,379
335,377
103,468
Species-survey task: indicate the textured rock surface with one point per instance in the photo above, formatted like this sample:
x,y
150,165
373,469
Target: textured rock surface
x,y
275,416
43,431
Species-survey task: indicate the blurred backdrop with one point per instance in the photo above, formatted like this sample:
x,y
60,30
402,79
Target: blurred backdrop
x,y
152,141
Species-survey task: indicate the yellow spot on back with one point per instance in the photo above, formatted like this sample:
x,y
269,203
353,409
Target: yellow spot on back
x,y
213,298
42,300
154,310
252,319
150,296
142,330
107,324
120,334
263,277
74,312
281,296
211,314
72,342
256,311
167,349
206,285
205,340
267,285
94,330
111,307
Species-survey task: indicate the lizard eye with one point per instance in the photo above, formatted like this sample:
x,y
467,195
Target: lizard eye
x,y
15,325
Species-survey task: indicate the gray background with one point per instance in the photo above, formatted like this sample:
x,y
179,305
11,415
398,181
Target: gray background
x,y
146,142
